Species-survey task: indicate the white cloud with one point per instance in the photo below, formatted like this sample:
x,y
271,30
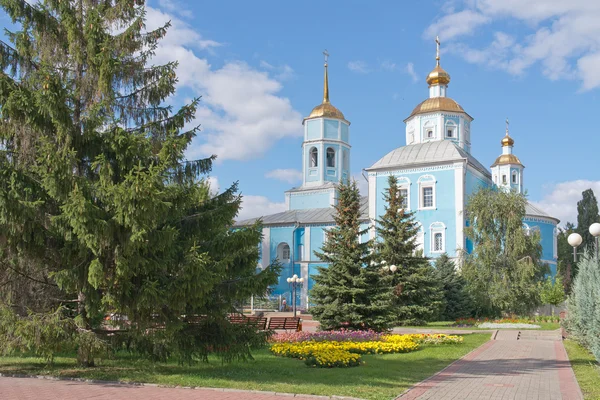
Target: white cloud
x,y
561,199
388,66
358,66
175,7
410,70
456,24
213,183
363,185
286,175
258,206
563,37
241,114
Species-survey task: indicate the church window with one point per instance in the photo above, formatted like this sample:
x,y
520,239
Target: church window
x,y
514,177
438,230
437,242
283,252
330,157
427,196
403,193
504,179
450,133
314,157
429,134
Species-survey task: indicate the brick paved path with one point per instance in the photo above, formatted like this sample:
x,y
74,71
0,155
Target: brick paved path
x,y
46,389
527,366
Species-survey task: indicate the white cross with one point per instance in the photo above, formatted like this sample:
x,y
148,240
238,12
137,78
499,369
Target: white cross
x,y
507,126
326,54
437,41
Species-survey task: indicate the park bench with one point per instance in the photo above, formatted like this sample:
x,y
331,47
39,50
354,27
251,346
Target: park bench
x,y
259,322
287,323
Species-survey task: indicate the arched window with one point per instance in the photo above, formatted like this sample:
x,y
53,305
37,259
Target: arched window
x,y
438,240
451,130
514,177
427,192
283,252
314,157
330,157
345,160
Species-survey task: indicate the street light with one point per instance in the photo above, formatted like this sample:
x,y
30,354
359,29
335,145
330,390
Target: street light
x,y
595,232
391,268
295,282
574,240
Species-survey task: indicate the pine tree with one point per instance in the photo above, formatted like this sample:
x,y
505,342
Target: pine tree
x,y
351,292
587,214
504,270
417,291
96,197
457,300
566,268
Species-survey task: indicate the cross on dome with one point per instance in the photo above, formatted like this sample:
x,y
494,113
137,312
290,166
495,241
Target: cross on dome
x,y
326,54
437,52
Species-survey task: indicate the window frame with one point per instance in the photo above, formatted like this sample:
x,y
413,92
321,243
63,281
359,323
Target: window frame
x,y
406,199
282,248
513,178
451,126
437,228
313,161
427,181
328,159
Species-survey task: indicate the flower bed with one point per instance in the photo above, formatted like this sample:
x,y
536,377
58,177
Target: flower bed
x,y
317,351
342,335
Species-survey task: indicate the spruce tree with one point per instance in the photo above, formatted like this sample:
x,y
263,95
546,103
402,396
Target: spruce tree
x,y
351,292
97,200
417,291
457,300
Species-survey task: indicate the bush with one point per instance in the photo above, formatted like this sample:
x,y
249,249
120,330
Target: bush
x,y
583,318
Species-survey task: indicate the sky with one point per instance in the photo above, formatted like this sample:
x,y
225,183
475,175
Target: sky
x,y
258,67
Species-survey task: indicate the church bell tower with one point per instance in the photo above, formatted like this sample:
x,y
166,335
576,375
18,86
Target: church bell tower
x,y
507,170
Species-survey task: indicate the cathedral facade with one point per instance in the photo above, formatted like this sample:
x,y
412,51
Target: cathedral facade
x,y
436,175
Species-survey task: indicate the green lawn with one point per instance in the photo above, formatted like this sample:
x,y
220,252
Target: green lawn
x,y
544,326
381,377
586,369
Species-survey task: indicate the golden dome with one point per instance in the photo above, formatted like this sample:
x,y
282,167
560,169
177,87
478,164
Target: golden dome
x,y
437,104
507,141
325,110
507,159
438,76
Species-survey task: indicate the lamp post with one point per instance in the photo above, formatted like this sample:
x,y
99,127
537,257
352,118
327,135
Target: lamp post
x,y
295,282
595,232
574,240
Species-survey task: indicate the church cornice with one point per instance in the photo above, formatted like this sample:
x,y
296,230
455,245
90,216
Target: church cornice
x,y
316,141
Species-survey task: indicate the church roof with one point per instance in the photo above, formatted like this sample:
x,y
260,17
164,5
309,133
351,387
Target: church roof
x,y
308,216
533,211
437,104
326,185
440,151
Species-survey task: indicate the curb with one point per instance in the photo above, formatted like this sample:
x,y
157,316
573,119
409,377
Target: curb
x,y
494,334
140,384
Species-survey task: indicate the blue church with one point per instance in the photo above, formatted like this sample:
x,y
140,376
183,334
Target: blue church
x,y
436,173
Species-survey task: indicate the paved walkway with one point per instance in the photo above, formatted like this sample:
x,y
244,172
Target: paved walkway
x,y
515,365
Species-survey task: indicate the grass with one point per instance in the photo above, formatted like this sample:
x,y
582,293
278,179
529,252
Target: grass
x,y
544,326
587,370
381,377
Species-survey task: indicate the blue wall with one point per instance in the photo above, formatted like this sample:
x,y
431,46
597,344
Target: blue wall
x,y
547,240
332,129
345,133
317,237
313,129
445,211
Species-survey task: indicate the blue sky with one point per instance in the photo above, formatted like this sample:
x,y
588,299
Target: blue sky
x,y
259,67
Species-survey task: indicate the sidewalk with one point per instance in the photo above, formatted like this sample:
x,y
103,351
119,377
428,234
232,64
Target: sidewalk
x,y
516,365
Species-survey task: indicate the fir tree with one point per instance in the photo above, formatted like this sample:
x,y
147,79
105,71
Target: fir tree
x,y
351,292
457,300
96,197
416,288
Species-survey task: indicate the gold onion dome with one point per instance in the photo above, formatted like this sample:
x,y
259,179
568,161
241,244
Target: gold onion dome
x,y
437,104
507,141
326,109
438,76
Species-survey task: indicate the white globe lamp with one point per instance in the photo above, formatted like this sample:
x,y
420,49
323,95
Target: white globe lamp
x,y
393,268
574,240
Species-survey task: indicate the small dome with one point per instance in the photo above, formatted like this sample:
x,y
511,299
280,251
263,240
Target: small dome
x,y
507,141
437,104
438,76
325,110
507,159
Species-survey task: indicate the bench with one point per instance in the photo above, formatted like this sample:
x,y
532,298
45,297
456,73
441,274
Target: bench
x,y
287,323
259,322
